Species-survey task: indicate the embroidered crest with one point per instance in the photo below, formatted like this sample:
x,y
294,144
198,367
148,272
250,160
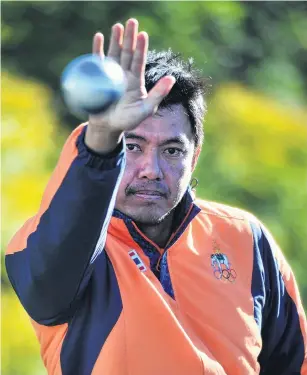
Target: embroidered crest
x,y
221,266
137,260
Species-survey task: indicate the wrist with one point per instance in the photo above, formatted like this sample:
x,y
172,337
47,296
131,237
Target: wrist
x,y
102,141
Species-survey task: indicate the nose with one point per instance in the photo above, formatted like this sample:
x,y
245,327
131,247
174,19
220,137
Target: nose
x,y
150,167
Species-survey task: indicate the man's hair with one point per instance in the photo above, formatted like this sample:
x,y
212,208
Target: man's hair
x,y
188,90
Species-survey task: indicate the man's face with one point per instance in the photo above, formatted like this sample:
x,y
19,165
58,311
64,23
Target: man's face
x,y
160,161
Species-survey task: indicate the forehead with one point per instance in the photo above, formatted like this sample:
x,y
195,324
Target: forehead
x,y
167,123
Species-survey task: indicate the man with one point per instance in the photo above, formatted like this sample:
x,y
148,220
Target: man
x,y
123,272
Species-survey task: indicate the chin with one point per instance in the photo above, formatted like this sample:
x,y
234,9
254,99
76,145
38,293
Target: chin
x,y
148,215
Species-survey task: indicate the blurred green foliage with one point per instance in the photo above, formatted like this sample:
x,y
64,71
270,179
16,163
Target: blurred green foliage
x,y
254,156
261,44
30,144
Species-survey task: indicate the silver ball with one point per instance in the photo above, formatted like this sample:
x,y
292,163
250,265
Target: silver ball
x,y
90,85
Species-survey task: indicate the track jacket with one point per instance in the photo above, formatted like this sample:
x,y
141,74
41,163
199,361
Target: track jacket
x,y
105,300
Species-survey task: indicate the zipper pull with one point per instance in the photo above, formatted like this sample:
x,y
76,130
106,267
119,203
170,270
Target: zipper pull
x,y
158,266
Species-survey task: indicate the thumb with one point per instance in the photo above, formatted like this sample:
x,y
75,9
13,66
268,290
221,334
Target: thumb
x,y
158,93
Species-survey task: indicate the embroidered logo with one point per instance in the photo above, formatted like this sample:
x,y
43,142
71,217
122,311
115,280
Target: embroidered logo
x,y
221,265
137,260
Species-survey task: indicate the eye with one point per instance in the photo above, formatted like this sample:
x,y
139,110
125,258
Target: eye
x,y
133,147
173,152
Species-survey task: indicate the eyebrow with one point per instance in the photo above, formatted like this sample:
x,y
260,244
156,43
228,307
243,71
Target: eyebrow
x,y
177,139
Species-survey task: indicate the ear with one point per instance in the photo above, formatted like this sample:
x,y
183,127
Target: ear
x,y
195,157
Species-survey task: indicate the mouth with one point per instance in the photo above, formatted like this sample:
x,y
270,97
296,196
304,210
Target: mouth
x,y
148,194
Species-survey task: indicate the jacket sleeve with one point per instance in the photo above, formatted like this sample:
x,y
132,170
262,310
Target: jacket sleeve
x,y
278,309
50,259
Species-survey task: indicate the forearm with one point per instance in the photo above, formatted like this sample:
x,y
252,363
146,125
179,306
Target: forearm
x,y
47,272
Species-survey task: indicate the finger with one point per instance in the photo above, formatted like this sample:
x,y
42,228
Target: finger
x,y
139,56
158,93
116,42
129,43
98,41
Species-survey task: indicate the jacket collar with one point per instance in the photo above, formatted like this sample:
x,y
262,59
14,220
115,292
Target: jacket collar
x,y
122,226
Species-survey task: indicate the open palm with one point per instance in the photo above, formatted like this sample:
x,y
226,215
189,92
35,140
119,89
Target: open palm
x,y
129,49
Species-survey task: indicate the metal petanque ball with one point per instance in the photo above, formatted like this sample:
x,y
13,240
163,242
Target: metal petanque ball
x,y
90,85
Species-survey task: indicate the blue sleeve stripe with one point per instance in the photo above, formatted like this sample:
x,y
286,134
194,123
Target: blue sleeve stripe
x,y
103,234
98,313
258,288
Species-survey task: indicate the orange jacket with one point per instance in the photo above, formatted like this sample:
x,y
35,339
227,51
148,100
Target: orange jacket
x,y
219,299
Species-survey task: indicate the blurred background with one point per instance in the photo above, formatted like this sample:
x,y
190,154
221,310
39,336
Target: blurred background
x,y
255,153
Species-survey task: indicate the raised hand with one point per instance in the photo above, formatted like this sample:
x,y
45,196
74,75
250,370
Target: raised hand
x,y
129,49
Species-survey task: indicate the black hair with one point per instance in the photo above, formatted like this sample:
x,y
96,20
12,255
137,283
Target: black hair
x,y
188,90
